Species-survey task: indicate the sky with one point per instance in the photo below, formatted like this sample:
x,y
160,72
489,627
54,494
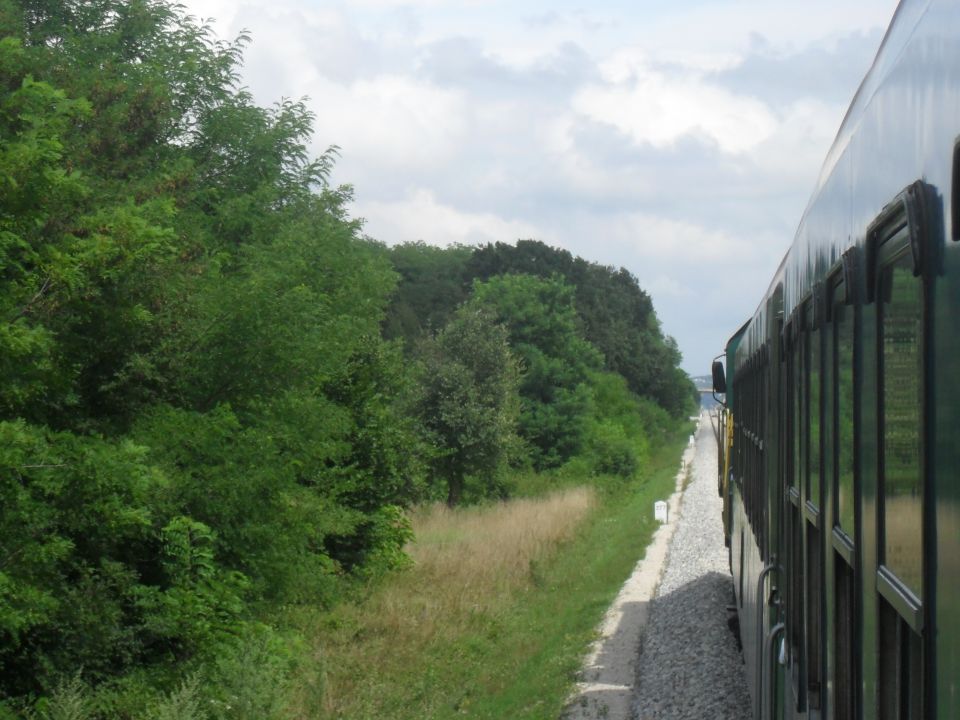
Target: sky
x,y
679,140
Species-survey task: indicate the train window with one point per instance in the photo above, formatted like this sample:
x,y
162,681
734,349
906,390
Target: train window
x,y
828,424
803,391
789,460
844,668
795,609
901,668
901,254
843,412
813,486
900,303
761,489
796,405
812,376
794,551
812,577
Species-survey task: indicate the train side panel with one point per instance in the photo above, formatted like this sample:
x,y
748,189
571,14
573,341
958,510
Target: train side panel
x,y
843,511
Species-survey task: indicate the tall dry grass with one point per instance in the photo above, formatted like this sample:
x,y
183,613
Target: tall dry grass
x,y
468,565
488,549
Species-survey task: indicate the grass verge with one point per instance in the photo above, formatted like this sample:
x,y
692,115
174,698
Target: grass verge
x,y
496,614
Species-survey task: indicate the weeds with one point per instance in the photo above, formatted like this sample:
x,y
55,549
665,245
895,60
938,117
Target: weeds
x,y
468,567
493,618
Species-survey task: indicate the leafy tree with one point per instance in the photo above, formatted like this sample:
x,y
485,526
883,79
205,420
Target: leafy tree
x,y
384,466
470,403
617,316
432,284
36,261
199,420
543,328
197,412
95,577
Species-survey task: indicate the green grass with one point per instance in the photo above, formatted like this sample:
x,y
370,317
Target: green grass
x,y
554,623
507,652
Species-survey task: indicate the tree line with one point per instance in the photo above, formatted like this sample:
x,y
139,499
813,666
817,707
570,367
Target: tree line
x,y
218,395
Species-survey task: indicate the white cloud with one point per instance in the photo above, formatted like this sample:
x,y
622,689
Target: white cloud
x,y
421,217
709,27
657,238
392,120
663,286
652,107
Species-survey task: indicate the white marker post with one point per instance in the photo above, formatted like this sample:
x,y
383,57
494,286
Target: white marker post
x,y
660,511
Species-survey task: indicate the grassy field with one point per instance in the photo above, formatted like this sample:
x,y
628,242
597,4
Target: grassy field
x,y
495,615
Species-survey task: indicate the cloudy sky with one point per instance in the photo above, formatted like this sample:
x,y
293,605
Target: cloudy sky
x,y
677,139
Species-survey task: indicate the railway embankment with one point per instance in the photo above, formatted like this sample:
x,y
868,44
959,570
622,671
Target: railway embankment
x,y
664,649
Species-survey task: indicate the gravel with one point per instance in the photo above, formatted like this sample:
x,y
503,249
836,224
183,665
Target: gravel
x,y
689,665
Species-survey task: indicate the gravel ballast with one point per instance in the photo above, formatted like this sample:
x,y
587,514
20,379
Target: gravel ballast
x,y
689,665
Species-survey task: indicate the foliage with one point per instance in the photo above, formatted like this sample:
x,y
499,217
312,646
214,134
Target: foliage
x,y
542,323
432,283
182,703
614,314
197,413
470,403
94,576
494,618
617,316
70,701
249,679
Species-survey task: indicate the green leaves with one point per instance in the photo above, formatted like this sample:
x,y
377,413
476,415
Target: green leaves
x,y
73,527
470,400
187,551
197,413
542,323
615,316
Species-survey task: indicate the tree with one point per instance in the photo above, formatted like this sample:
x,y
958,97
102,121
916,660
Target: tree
x,y
39,262
543,328
433,283
617,316
197,414
470,403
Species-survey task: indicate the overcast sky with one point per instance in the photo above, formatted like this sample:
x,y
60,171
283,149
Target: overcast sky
x,y
677,139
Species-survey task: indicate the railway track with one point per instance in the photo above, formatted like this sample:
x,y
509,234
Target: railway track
x,y
689,665
664,649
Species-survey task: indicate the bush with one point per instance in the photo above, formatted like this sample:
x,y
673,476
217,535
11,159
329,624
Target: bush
x,y
612,452
79,538
250,678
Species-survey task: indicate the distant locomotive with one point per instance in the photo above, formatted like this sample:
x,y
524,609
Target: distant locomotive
x,y
840,462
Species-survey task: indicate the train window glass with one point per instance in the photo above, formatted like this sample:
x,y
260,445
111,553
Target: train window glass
x,y
843,358
844,682
828,426
795,375
813,489
900,682
900,300
803,392
813,596
761,489
795,610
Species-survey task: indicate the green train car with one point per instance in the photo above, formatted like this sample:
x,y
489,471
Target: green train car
x,y
840,466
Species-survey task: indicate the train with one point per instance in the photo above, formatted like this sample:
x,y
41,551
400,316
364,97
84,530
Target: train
x,y
838,465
